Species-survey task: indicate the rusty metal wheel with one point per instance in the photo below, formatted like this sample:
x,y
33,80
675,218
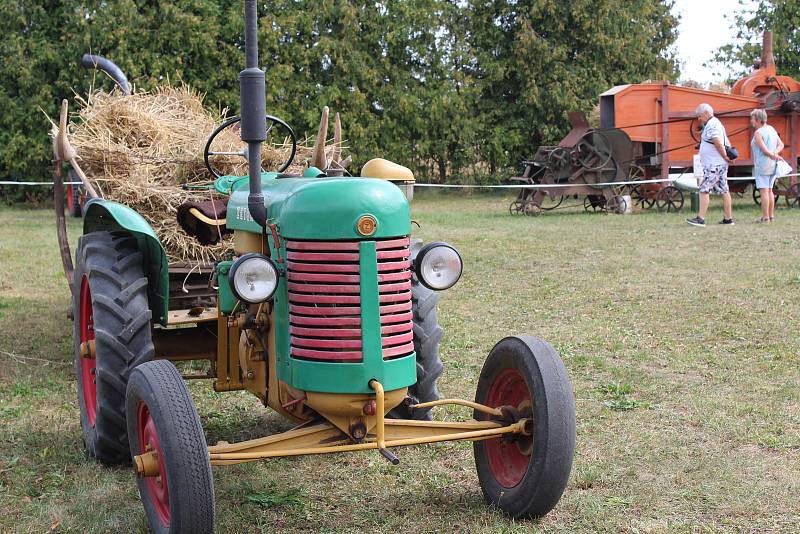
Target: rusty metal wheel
x,y
594,203
531,209
617,204
641,197
593,151
515,208
669,199
792,196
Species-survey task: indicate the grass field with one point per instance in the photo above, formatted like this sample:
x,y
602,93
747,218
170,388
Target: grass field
x,y
682,346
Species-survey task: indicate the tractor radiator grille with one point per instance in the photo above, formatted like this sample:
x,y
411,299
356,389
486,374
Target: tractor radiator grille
x,y
325,304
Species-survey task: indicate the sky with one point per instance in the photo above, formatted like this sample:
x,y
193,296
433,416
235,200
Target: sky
x,y
704,28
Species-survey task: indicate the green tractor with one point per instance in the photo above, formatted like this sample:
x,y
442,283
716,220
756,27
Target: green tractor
x,y
326,312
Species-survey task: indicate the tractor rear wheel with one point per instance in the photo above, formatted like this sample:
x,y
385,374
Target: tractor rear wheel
x,y
427,334
111,332
525,476
162,419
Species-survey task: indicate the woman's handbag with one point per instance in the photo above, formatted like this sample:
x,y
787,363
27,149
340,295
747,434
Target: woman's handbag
x,y
782,168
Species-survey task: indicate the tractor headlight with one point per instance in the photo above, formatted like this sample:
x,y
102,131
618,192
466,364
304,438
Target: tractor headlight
x,y
438,266
253,278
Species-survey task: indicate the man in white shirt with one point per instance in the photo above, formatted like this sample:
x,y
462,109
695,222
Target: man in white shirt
x,y
715,165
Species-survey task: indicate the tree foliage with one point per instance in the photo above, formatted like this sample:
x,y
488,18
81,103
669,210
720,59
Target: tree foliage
x,y
456,89
782,17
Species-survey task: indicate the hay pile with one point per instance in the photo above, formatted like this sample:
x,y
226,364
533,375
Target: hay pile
x,y
140,149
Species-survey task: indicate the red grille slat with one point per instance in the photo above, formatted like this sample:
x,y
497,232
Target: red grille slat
x,y
314,343
395,328
402,286
394,297
393,243
393,277
326,321
389,340
398,317
334,278
394,266
331,332
316,246
333,257
327,355
328,310
324,299
323,267
325,289
392,254
325,302
401,350
394,308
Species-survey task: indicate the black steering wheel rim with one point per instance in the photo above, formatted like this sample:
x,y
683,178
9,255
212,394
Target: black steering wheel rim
x,y
233,120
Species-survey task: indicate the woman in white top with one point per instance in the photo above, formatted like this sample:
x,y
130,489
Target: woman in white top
x,y
765,147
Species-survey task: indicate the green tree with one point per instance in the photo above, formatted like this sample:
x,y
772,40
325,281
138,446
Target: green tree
x,y
537,59
782,17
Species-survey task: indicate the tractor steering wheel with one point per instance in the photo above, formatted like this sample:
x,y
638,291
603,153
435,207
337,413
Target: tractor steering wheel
x,y
274,127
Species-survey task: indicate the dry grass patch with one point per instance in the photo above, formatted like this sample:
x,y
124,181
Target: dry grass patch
x,y
695,327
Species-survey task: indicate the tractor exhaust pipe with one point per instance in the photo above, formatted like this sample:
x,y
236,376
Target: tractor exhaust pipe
x,y
252,96
90,61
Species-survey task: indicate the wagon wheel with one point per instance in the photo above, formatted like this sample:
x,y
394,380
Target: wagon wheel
x,y
640,197
594,203
616,204
593,151
635,173
531,209
792,195
669,199
778,190
756,195
558,158
515,208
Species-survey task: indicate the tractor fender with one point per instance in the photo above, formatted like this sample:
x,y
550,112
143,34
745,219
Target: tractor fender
x,y
105,215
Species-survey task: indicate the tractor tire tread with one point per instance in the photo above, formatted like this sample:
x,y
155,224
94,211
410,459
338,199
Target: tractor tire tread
x,y
123,340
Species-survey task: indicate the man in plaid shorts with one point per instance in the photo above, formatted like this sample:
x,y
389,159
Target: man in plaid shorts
x,y
715,165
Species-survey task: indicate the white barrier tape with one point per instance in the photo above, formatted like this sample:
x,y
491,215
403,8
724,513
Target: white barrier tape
x,y
506,186
602,184
10,182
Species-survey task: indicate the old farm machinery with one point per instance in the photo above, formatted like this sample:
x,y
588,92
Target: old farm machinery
x,y
660,120
325,310
587,162
655,124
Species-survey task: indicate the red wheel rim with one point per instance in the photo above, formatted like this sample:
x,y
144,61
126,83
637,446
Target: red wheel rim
x,y
88,365
509,461
156,485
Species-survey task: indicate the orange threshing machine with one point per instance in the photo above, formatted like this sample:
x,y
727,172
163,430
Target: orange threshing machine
x,y
659,118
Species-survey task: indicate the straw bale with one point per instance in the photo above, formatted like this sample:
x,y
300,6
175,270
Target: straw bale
x,y
141,149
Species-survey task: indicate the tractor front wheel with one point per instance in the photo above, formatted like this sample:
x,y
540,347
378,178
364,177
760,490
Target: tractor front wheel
x,y
111,333
162,419
525,476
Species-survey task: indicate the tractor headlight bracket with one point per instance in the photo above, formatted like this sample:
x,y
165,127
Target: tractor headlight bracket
x,y
438,266
253,278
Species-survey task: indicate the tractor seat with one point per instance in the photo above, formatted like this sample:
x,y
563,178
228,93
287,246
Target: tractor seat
x,y
205,221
